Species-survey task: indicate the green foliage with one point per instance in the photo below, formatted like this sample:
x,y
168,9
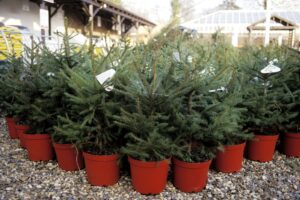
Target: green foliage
x,y
67,128
228,123
289,90
19,83
209,114
9,77
264,92
150,89
67,131
90,106
170,94
45,78
176,96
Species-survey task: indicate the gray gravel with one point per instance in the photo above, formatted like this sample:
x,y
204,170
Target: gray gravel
x,y
23,179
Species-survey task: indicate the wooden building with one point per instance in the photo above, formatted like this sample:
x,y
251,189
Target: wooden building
x,y
45,17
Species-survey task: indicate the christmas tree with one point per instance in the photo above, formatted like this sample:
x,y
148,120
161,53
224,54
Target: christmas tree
x,y
10,75
289,91
87,121
261,95
210,114
149,86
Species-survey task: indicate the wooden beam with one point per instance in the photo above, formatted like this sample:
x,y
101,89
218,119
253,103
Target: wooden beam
x,y
91,26
276,28
119,25
123,14
91,18
122,19
283,21
250,37
49,21
113,9
55,11
94,3
85,9
114,19
96,12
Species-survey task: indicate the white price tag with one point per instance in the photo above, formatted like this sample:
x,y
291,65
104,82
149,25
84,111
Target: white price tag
x,y
270,69
106,76
176,56
221,89
190,59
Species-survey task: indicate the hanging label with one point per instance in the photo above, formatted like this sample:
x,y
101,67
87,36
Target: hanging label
x,y
190,59
221,89
270,69
176,56
106,76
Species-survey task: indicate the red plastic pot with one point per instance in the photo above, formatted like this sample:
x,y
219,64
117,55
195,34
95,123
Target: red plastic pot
x,y
149,177
102,170
21,130
190,177
261,148
11,125
68,157
39,147
291,144
231,159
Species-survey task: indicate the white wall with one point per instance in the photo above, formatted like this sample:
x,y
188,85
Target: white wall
x,y
57,21
26,13
20,12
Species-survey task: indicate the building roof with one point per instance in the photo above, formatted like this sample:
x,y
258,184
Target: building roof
x,y
277,23
229,21
124,12
244,17
110,7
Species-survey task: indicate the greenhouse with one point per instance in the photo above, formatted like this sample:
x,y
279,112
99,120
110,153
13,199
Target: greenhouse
x,y
176,116
236,23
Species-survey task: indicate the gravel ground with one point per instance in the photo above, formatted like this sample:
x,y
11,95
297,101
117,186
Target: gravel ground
x,y
23,179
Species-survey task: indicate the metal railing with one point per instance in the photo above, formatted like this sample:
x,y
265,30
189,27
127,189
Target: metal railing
x,y
51,42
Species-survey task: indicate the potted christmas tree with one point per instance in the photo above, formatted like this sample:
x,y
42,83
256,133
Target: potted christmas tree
x,y
147,86
66,135
261,100
21,95
225,121
39,113
197,147
191,115
10,74
227,125
289,83
64,132
92,103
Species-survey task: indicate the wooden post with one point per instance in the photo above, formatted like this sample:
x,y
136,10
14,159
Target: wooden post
x,y
293,38
49,22
235,38
250,36
42,22
137,27
119,25
91,24
279,40
267,23
137,31
91,17
51,15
